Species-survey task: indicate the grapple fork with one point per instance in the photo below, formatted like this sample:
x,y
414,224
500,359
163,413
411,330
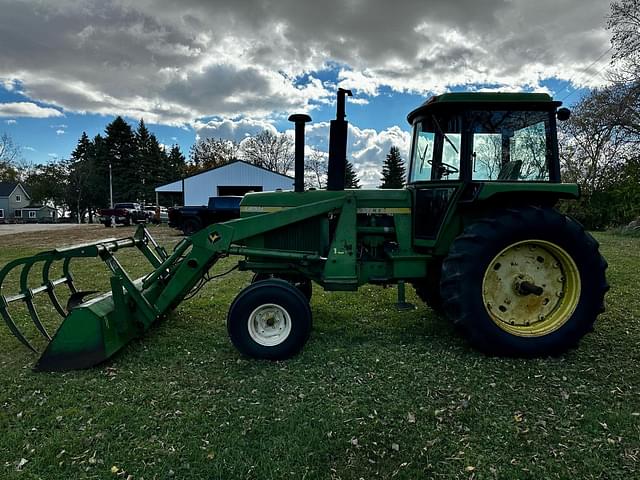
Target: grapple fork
x,y
53,357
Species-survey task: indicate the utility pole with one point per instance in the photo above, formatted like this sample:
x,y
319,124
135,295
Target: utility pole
x,y
113,218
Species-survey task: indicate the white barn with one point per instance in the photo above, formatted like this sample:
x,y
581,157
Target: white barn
x,y
234,178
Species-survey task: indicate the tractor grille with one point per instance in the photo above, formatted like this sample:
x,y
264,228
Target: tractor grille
x,y
308,235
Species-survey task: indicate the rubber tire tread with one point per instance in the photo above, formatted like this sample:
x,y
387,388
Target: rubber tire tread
x,y
428,289
306,288
472,251
279,292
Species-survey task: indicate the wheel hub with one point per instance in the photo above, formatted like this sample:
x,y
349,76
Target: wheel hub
x,y
531,288
269,325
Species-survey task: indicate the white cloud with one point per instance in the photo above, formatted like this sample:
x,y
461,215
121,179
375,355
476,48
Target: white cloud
x,y
366,148
230,129
254,58
52,155
30,149
27,109
60,132
7,83
11,121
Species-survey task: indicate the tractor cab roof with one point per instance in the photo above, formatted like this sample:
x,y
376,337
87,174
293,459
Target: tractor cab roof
x,y
483,101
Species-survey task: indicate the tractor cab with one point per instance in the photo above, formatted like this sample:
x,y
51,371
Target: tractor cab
x,y
469,147
480,137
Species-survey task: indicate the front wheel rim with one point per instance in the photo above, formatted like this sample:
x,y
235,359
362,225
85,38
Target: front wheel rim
x,y
531,288
269,325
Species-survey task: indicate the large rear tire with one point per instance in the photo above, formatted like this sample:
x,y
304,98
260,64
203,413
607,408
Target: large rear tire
x,y
428,289
270,319
524,282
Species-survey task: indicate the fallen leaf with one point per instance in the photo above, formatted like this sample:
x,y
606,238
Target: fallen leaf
x,y
395,447
411,417
470,468
22,463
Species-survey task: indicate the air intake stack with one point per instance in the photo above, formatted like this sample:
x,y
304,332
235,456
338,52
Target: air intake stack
x,y
299,119
338,144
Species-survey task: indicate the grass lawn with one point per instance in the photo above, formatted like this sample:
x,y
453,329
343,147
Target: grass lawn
x,y
375,393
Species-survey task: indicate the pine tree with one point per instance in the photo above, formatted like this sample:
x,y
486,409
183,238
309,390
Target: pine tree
x,y
393,171
176,164
145,164
120,148
79,169
99,180
350,176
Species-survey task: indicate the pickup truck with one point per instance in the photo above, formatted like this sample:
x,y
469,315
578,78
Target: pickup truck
x,y
156,214
190,219
123,213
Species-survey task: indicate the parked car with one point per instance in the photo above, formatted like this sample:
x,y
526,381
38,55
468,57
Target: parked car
x,y
123,213
157,214
190,219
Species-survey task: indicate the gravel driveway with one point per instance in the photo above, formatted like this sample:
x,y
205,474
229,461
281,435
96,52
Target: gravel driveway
x,y
10,229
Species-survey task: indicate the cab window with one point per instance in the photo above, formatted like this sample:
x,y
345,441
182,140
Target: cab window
x,y
437,147
510,145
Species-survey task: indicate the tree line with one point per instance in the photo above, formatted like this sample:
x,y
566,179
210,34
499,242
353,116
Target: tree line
x,y
599,144
79,186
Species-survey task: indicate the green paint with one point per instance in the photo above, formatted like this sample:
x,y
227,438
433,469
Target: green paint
x,y
339,239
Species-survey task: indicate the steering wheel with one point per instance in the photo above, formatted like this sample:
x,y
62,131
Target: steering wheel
x,y
445,169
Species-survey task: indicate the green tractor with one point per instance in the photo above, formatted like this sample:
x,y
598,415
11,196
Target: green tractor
x,y
475,232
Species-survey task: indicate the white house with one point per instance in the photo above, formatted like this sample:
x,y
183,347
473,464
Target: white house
x,y
234,178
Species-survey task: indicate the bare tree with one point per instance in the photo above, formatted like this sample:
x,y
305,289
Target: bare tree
x,y
10,159
487,156
211,153
273,151
594,144
315,169
624,24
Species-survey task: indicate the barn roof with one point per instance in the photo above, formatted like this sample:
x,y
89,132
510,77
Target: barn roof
x,y
176,185
238,161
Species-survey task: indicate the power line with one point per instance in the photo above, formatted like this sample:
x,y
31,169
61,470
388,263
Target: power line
x,y
585,70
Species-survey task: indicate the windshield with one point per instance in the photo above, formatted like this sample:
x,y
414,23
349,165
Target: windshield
x,y
502,145
436,154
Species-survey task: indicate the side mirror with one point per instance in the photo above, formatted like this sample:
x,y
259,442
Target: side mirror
x,y
563,114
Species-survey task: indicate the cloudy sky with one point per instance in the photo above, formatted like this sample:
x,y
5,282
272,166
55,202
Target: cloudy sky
x,y
232,68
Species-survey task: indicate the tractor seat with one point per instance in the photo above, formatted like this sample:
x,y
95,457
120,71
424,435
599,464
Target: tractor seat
x,y
510,170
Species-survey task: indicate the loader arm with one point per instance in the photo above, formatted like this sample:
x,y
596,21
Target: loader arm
x,y
94,330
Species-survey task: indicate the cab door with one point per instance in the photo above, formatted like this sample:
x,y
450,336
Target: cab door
x,y
435,175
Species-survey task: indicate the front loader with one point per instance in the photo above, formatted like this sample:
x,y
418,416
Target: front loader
x,y
475,232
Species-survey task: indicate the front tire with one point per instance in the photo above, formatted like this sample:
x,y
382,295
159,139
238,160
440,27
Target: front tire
x,y
270,319
300,282
525,282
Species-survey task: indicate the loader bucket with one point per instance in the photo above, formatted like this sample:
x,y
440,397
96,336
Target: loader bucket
x,y
92,330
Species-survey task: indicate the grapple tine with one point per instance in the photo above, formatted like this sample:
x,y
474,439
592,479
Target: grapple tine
x,y
67,274
28,299
50,288
12,326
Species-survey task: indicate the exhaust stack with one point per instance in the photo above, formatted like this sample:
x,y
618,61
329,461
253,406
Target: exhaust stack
x,y
299,119
338,144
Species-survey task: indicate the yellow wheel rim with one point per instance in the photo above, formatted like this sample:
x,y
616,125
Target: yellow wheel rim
x,y
531,288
